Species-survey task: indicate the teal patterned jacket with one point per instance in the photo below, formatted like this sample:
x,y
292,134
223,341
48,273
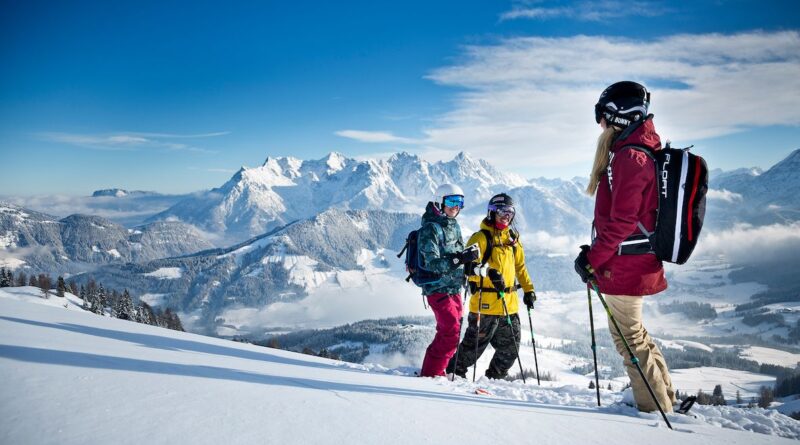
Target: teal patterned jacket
x,y
436,256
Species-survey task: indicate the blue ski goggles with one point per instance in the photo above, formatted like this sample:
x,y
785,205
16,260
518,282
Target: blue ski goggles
x,y
454,201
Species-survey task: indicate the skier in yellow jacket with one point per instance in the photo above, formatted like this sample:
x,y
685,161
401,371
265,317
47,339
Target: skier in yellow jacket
x,y
502,264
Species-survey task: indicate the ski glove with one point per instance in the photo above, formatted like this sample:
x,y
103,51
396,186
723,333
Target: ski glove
x,y
529,298
497,280
582,265
465,256
481,270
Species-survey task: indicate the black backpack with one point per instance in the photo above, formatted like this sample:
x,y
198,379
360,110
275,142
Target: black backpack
x,y
416,270
682,185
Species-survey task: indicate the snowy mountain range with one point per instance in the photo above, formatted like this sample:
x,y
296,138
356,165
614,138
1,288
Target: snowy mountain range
x,y
305,230
286,189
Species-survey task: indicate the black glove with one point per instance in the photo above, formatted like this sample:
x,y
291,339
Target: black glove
x,y
497,280
465,256
582,265
529,298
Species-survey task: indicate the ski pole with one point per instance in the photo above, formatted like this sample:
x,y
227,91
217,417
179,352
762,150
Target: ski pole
x,y
460,324
594,344
533,341
513,334
634,360
478,330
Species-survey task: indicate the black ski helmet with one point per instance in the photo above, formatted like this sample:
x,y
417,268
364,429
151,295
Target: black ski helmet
x,y
622,104
498,201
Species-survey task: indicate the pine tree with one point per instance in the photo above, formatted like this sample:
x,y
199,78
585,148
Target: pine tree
x,y
61,287
21,279
144,314
101,300
3,278
33,282
591,382
124,308
767,396
113,302
86,304
738,397
73,288
717,398
171,320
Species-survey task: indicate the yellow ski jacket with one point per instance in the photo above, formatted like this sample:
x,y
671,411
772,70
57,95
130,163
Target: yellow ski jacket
x,y
507,257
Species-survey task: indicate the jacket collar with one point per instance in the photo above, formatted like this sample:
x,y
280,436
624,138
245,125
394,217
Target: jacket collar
x,y
641,133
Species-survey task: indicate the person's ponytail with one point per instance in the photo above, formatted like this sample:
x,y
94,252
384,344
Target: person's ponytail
x,y
604,142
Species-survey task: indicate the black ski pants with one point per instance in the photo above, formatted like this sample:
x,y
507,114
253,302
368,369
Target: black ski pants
x,y
494,330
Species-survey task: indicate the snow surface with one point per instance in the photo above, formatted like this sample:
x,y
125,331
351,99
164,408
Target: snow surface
x,y
683,344
706,378
72,377
166,273
772,356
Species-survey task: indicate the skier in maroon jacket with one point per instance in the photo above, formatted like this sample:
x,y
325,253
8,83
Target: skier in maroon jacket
x,y
620,260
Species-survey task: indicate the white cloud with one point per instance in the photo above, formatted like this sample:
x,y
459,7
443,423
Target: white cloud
x,y
374,137
531,99
746,244
127,141
588,11
724,195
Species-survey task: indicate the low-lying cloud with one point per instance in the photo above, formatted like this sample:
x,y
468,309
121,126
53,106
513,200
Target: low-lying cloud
x,y
747,244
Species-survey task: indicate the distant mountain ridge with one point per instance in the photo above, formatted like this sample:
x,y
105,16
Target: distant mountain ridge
x,y
280,266
77,243
119,193
771,196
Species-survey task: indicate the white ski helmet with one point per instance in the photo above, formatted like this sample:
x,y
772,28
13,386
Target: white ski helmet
x,y
448,190
445,190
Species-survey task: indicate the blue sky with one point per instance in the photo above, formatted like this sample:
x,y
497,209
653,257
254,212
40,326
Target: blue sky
x,y
175,96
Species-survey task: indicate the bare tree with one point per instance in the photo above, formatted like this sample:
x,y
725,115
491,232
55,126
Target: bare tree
x,y
45,283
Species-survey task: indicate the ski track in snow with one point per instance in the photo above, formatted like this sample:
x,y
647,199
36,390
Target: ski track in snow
x,y
759,420
72,377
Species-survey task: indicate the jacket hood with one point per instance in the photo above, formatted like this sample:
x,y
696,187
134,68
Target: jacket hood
x,y
642,133
434,214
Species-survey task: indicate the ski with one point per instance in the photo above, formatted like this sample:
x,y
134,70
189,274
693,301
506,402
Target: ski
x,y
686,405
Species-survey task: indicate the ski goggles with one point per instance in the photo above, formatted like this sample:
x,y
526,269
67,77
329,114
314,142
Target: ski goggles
x,y
503,210
454,201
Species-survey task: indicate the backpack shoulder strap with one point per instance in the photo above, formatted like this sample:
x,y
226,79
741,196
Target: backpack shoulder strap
x,y
489,246
641,148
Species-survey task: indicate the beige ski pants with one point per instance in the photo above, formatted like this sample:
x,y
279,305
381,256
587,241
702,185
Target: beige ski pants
x,y
627,311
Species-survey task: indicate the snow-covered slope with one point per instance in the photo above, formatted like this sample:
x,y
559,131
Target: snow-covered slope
x,y
71,377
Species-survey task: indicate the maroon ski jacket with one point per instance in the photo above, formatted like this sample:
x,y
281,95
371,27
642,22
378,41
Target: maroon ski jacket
x,y
632,198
